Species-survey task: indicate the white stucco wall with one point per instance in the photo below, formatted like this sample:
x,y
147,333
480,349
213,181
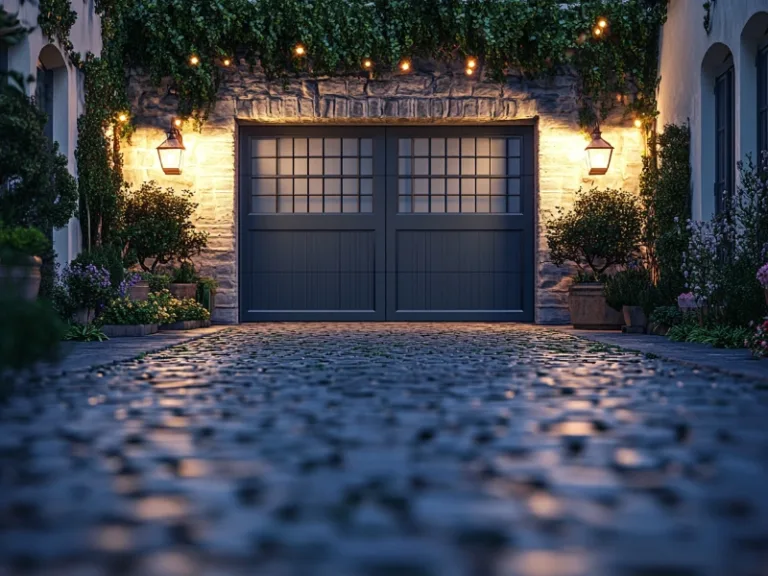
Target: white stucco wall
x,y
68,88
690,59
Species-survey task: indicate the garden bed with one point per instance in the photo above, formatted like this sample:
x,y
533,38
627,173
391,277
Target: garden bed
x,y
186,325
128,330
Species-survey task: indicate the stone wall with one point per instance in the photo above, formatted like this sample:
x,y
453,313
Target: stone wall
x,y
431,94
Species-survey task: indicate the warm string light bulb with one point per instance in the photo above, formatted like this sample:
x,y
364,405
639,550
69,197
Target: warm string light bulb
x,y
122,117
227,61
194,60
367,64
405,65
602,23
471,63
638,123
299,50
598,31
177,122
469,71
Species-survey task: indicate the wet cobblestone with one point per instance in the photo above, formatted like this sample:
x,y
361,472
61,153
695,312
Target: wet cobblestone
x,y
383,449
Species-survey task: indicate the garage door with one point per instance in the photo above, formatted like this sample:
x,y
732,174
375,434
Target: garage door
x,y
374,223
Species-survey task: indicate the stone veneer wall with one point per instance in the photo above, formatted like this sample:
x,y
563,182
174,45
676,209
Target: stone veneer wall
x,y
432,94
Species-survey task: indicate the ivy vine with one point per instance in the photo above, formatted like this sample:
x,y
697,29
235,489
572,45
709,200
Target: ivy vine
x,y
56,19
708,6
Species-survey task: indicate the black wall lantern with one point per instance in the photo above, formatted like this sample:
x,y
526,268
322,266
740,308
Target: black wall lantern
x,y
599,154
171,152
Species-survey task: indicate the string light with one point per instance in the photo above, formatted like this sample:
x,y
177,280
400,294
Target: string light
x,y
471,62
122,117
194,60
177,122
469,71
638,123
227,62
367,63
602,23
299,50
405,65
597,31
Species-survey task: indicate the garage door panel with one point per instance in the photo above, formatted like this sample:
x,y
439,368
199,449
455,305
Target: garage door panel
x,y
302,270
459,270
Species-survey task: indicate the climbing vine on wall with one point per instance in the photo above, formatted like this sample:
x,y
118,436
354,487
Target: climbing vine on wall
x,y
617,64
56,19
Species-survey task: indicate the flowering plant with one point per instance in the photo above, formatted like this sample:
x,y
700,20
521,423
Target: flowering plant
x,y
187,309
154,310
87,285
127,283
688,300
757,342
762,276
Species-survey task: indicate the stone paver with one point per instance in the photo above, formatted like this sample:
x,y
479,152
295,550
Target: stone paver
x,y
386,449
737,362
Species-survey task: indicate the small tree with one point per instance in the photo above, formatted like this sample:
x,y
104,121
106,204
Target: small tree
x,y
603,230
37,188
157,227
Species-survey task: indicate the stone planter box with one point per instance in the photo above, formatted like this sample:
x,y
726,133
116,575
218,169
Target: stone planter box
x,y
24,277
590,311
183,291
186,325
139,291
129,330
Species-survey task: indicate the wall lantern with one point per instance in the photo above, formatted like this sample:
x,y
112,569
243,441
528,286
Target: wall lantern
x,y
599,153
171,152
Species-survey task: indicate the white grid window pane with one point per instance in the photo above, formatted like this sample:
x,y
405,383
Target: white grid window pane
x,y
285,146
265,147
366,204
333,146
332,166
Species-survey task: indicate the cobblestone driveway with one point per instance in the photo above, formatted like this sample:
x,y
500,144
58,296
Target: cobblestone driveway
x,y
381,449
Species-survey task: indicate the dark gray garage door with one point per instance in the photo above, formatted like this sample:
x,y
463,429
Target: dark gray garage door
x,y
374,223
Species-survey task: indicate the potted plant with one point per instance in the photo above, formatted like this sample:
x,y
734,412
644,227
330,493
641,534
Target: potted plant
x,y
124,317
184,281
601,232
157,227
186,314
762,277
632,292
206,292
20,261
88,289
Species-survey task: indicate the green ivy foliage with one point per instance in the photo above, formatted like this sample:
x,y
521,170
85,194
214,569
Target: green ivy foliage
x,y
505,35
56,19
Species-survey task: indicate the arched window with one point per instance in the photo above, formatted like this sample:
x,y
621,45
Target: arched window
x,y
725,139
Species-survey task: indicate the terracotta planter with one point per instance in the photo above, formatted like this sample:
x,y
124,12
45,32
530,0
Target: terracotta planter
x,y
182,291
634,317
128,330
590,311
139,291
23,277
84,316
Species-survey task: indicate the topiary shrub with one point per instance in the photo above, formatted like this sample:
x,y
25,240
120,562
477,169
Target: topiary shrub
x,y
157,226
603,230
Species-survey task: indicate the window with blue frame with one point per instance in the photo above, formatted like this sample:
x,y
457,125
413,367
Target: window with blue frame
x,y
762,100
725,145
